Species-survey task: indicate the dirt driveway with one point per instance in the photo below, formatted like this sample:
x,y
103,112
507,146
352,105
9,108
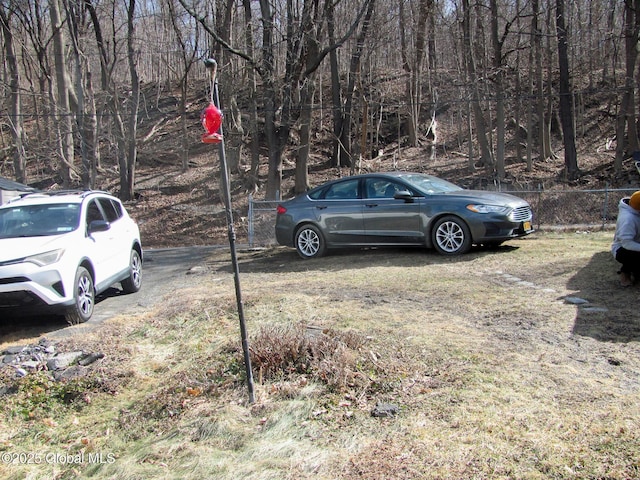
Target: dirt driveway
x,y
165,270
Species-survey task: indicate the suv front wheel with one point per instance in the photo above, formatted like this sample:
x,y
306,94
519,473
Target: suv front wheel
x,y
84,298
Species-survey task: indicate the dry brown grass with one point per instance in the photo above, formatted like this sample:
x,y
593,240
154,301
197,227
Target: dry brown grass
x,y
494,373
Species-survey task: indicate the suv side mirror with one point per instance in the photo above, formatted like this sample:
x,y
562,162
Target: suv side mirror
x,y
99,226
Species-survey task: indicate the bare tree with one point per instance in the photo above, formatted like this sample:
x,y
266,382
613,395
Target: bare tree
x,y
486,159
273,75
64,119
128,163
347,106
85,114
126,151
251,181
188,41
566,93
19,161
414,66
544,123
627,105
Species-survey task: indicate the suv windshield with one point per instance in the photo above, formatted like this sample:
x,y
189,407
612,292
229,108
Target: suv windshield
x,y
39,220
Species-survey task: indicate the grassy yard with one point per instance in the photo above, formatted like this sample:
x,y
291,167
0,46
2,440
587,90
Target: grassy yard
x,y
495,371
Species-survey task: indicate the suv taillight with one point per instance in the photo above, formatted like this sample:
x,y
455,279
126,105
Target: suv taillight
x,y
280,210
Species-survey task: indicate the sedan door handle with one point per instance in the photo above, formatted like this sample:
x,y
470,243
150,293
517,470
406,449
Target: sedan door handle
x,y
371,205
321,207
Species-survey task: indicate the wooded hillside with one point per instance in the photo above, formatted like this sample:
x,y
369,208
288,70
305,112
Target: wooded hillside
x,y
94,86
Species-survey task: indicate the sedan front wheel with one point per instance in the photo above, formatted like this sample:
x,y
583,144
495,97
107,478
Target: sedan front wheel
x,y
310,242
451,236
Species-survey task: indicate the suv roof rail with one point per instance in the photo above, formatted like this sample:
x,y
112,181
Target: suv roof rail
x,y
52,193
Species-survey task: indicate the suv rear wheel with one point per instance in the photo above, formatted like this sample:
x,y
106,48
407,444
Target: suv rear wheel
x,y
133,282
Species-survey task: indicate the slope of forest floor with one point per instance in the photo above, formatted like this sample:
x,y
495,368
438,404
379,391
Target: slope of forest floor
x,y
180,208
184,208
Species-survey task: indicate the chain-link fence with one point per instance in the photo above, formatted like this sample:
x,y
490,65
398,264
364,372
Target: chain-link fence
x,y
574,208
565,209
262,222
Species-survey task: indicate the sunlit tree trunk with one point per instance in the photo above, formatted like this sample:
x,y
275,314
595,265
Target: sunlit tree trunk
x,y
566,95
544,142
85,112
626,113
472,79
63,109
354,71
19,161
499,89
252,181
187,53
127,181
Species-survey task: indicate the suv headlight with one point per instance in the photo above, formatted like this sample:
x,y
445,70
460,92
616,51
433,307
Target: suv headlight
x,y
46,258
488,209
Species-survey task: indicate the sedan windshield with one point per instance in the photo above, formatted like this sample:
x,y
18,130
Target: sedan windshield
x,y
430,185
39,220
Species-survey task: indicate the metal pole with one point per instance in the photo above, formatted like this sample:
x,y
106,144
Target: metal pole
x,y
212,66
250,215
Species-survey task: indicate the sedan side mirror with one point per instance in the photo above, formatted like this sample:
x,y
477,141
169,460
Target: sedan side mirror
x,y
403,195
99,226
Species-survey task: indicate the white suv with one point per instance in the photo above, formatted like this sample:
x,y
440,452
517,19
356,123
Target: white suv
x,y
59,249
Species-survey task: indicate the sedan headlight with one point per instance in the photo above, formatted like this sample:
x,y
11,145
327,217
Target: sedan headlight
x,y
488,209
47,258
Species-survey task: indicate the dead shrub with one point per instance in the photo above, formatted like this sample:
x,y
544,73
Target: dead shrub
x,y
279,351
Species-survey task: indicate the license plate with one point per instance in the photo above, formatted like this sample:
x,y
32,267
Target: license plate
x,y
527,226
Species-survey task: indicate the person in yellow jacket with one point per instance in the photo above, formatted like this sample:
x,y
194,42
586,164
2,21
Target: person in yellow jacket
x,y
626,240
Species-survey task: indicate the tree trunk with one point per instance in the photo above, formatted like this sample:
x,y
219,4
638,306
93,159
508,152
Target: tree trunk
x,y
63,115
85,107
302,160
626,113
566,111
187,62
19,162
518,88
90,134
128,182
336,93
499,91
252,182
274,173
544,145
481,126
354,71
530,106
414,67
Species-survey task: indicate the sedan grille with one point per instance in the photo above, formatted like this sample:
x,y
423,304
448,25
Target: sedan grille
x,y
521,214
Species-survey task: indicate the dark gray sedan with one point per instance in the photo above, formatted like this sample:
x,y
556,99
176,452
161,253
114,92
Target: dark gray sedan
x,y
399,208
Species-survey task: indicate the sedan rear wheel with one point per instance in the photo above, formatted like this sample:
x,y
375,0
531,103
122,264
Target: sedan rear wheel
x,y
451,236
84,298
310,242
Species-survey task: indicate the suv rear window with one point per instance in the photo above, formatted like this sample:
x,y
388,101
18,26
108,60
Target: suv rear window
x,y
111,209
